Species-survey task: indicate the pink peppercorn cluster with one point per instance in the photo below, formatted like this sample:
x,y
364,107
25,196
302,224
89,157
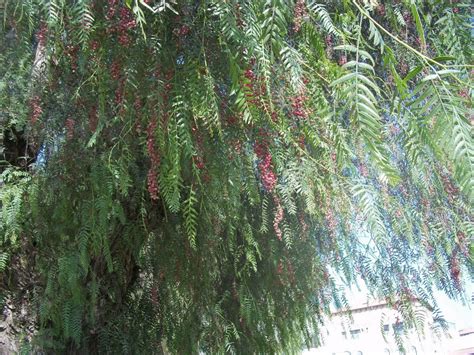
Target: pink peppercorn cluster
x,y
116,74
267,175
455,269
329,45
330,218
380,10
42,34
278,218
138,105
181,31
342,60
198,159
297,106
95,45
363,170
464,93
93,118
403,68
122,23
70,123
71,52
36,109
255,89
115,70
299,13
154,159
238,16
450,188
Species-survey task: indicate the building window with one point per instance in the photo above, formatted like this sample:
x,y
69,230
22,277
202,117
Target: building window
x,y
398,327
355,334
386,328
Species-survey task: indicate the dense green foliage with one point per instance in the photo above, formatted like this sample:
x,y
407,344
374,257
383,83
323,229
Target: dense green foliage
x,y
205,175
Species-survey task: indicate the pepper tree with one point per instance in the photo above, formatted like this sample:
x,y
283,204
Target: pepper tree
x,y
211,175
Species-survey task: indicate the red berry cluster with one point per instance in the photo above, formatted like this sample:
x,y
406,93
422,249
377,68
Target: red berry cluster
x,y
267,175
394,130
304,225
154,158
299,13
277,219
154,295
297,106
463,243
93,118
403,68
291,272
181,31
36,109
115,70
329,45
238,16
363,170
70,123
450,188
119,93
330,218
124,23
464,93
342,59
380,10
71,52
138,105
42,34
198,159
455,270
95,45
407,17
255,88
168,87
280,268
112,8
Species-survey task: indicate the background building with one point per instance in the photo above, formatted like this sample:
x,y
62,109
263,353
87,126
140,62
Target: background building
x,y
375,326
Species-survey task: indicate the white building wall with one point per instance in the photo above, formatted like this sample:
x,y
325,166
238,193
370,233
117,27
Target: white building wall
x,y
365,336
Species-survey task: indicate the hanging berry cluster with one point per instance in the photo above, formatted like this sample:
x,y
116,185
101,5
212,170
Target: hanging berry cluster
x,y
298,106
154,159
70,123
299,14
71,53
451,190
36,109
138,105
116,74
286,273
331,221
121,24
93,118
198,159
41,35
267,175
254,88
278,218
455,269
